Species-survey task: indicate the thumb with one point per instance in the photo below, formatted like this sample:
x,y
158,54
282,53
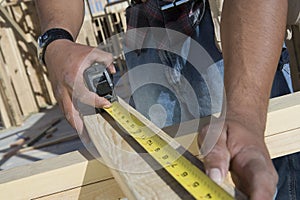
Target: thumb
x,y
217,160
261,178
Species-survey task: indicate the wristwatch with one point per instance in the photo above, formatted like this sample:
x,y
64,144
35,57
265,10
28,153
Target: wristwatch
x,y
48,37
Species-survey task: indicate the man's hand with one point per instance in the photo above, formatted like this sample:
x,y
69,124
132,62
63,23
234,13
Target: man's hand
x,y
66,62
252,34
241,149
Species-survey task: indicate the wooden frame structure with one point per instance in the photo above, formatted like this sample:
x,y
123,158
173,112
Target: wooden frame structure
x,y
77,175
24,85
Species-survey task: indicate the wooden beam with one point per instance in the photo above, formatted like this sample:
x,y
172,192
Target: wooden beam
x,y
26,37
10,111
127,167
22,19
65,172
282,134
87,34
107,189
283,122
16,72
4,115
71,171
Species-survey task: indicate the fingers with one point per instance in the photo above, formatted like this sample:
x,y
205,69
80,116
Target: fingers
x,y
97,55
93,55
111,68
217,160
102,57
73,117
254,174
66,105
66,74
90,98
107,59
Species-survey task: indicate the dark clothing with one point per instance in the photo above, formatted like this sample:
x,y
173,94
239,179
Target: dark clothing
x,y
183,18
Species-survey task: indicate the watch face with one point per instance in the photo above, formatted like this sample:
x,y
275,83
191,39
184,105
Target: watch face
x,y
45,37
42,40
40,43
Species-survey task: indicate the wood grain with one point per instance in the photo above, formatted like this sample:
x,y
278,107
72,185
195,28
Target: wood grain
x,y
103,190
50,176
71,171
16,68
127,167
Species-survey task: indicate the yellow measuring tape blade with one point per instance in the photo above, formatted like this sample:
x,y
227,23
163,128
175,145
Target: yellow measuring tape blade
x,y
188,175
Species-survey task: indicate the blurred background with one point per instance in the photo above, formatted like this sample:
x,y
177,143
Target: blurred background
x,y
31,125
24,87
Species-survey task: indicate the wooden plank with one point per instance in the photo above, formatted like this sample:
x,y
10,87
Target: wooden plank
x,y
10,110
76,169
280,144
104,190
26,25
284,143
85,35
25,15
127,166
50,176
283,114
17,73
283,124
4,117
27,37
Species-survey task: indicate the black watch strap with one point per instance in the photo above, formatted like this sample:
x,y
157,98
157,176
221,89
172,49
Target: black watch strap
x,y
50,36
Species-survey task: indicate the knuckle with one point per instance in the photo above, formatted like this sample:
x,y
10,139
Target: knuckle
x,y
218,155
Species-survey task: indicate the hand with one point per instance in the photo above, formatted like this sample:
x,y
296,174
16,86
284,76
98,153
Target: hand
x,y
66,62
241,149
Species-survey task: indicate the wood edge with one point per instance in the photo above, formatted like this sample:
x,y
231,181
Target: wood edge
x,y
63,172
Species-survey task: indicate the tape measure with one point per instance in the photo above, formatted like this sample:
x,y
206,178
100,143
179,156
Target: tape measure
x,y
190,177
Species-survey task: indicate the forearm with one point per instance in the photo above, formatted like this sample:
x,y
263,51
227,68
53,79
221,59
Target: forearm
x,y
64,14
252,37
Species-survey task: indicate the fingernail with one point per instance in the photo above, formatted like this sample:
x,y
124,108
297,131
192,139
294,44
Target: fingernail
x,y
107,106
215,175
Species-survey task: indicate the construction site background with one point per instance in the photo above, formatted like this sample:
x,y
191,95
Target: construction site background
x,y
24,86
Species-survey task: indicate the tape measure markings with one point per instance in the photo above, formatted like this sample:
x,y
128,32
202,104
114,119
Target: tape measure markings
x,y
181,169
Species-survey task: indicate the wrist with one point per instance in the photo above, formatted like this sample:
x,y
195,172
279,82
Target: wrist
x,y
250,111
56,49
250,119
49,37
